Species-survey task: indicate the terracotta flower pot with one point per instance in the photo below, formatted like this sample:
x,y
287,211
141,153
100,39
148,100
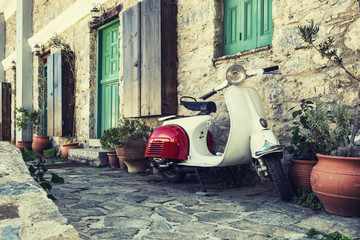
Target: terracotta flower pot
x,y
66,147
22,144
336,182
40,143
299,173
13,143
132,154
113,160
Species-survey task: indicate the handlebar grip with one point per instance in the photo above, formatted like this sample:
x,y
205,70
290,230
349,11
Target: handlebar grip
x,y
270,69
207,95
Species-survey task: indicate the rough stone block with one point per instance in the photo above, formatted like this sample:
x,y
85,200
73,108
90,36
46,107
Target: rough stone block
x,y
94,143
90,156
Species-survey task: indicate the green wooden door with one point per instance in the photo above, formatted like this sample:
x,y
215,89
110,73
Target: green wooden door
x,y
44,102
108,76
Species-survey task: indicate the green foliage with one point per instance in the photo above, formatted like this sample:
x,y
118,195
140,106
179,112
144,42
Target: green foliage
x,y
309,35
37,168
328,130
133,129
24,118
315,234
300,147
308,199
112,138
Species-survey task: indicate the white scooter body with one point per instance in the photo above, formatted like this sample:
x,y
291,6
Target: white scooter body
x,y
247,138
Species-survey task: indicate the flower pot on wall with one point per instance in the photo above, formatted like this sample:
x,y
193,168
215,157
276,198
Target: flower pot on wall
x,y
336,182
132,154
22,144
41,143
113,160
299,173
66,147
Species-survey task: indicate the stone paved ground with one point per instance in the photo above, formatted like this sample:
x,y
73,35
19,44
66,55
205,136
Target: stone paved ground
x,y
102,203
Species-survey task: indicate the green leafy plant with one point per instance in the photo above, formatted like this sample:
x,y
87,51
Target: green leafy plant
x,y
300,147
308,199
38,170
24,118
111,139
315,234
133,129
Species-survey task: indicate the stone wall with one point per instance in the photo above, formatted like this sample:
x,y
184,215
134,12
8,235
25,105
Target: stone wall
x,y
25,210
10,35
44,11
201,66
304,73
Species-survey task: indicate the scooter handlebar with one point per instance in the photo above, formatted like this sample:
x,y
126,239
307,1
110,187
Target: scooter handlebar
x,y
207,95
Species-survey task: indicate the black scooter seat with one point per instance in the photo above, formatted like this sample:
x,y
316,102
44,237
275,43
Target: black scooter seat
x,y
209,107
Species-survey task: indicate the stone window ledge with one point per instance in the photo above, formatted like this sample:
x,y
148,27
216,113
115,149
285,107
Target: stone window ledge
x,y
239,54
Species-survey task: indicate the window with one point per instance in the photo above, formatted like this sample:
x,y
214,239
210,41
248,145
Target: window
x,y
247,25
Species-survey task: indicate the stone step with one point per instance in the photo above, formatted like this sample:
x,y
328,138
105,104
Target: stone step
x,y
94,143
92,157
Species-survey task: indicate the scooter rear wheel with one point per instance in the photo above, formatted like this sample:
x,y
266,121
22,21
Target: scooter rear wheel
x,y
171,175
280,179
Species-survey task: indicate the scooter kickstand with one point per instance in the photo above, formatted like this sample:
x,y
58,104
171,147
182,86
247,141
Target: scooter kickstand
x,y
204,191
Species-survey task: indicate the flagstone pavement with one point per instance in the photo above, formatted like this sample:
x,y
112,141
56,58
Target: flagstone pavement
x,y
102,203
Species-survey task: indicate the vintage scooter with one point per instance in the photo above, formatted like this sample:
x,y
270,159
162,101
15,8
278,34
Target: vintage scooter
x,y
184,144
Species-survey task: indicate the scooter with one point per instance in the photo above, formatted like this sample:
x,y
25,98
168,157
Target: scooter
x,y
184,144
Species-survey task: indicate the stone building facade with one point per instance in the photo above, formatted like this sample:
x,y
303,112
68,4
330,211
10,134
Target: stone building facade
x,y
201,64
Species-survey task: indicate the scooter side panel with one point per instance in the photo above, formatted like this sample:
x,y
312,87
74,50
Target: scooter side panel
x,y
245,109
169,141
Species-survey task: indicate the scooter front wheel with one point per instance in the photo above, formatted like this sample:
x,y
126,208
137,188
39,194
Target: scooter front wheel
x,y
172,175
279,178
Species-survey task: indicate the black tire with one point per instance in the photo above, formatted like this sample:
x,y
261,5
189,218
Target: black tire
x,y
171,175
279,178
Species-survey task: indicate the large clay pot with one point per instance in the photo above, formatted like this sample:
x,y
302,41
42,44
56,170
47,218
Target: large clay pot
x,y
336,182
132,154
299,173
22,144
113,160
40,143
66,147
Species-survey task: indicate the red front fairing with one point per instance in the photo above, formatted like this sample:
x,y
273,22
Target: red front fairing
x,y
169,141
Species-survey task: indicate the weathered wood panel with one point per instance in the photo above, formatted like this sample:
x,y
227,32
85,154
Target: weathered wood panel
x,y
50,96
151,58
132,61
169,57
6,111
57,94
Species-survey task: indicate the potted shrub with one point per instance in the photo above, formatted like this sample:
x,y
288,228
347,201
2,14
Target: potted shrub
x,y
131,148
110,140
23,119
302,151
336,177
41,142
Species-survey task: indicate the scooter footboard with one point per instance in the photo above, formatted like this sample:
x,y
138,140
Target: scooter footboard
x,y
264,142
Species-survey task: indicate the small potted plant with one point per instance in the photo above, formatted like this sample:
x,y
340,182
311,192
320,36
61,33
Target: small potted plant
x,y
131,148
110,140
303,155
23,119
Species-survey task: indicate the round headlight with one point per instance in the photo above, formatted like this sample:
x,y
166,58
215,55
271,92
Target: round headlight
x,y
235,74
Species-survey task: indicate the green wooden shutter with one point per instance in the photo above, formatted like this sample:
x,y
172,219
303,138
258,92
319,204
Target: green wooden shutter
x,y
248,21
231,26
265,25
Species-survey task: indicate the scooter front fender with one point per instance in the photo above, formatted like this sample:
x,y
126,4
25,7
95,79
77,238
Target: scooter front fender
x,y
264,142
